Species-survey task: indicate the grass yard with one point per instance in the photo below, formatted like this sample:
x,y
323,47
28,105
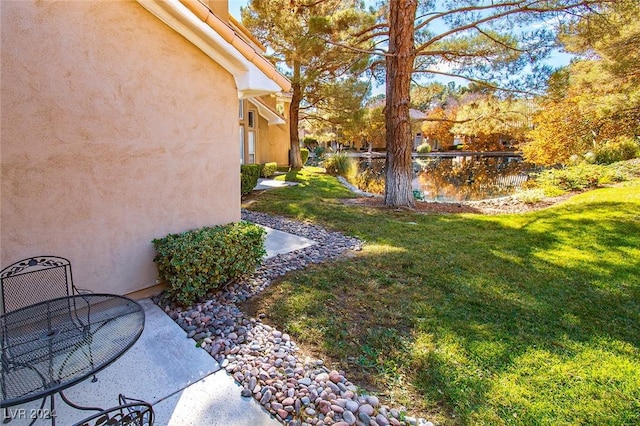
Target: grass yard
x,y
471,319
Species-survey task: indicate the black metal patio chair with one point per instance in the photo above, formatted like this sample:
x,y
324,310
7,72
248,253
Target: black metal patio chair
x,y
35,280
28,282
129,412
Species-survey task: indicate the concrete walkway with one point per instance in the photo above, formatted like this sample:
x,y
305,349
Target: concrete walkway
x,y
264,184
279,242
185,385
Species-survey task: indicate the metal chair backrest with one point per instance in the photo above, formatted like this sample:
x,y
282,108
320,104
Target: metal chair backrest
x,y
130,412
34,280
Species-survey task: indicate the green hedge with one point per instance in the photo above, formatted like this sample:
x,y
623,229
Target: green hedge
x,y
249,174
268,169
196,262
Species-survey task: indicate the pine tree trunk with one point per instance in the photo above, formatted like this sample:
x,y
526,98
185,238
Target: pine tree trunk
x,y
295,159
399,63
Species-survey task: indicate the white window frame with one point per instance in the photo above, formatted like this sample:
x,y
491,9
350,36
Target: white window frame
x,y
241,132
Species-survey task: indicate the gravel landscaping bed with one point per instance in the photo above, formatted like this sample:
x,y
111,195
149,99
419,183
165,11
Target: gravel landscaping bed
x,y
266,362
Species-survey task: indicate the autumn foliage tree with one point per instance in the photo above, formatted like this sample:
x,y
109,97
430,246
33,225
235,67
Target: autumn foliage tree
x,y
488,123
596,100
437,129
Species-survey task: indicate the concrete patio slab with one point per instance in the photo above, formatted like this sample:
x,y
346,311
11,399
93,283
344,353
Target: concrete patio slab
x,y
213,401
279,242
184,384
264,184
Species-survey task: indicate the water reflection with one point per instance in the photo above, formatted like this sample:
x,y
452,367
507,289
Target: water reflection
x,y
461,178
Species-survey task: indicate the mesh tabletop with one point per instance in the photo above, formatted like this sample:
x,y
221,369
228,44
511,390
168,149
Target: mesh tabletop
x,y
52,345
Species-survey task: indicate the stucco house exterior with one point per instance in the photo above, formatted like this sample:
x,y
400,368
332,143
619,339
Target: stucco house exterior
x,y
264,130
263,120
119,124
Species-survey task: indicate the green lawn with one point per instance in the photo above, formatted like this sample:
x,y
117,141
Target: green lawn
x,y
472,319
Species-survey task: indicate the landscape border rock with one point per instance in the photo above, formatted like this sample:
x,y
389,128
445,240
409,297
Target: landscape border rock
x,y
265,361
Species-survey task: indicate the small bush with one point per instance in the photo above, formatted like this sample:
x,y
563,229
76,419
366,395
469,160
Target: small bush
x,y
268,169
620,149
626,170
249,174
424,148
304,154
196,262
341,164
530,196
579,177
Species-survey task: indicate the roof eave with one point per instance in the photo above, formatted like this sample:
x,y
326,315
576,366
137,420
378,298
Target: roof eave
x,y
252,75
271,116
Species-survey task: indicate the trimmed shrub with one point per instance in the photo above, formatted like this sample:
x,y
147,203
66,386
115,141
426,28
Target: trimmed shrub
x,y
304,153
197,262
249,174
424,148
268,169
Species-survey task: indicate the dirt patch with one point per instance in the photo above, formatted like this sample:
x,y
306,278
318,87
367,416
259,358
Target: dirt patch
x,y
502,205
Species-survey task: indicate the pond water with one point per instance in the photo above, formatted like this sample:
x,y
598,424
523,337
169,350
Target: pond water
x,y
451,179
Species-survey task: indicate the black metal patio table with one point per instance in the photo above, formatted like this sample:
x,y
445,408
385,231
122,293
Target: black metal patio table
x,y
52,345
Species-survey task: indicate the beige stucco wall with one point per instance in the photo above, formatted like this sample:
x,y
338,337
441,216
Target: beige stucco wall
x,y
273,143
274,139
115,130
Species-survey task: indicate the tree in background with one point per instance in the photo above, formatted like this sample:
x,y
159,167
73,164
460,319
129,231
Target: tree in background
x,y
426,97
338,109
488,123
292,30
596,100
437,127
496,44
374,125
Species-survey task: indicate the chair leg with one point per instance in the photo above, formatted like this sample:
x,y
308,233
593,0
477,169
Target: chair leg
x,y
53,410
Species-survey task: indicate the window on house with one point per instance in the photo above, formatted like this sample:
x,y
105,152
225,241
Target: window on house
x,y
252,147
241,110
241,144
251,119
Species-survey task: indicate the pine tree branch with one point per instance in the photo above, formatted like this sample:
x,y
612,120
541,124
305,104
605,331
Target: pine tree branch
x,y
377,52
475,80
519,7
501,43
